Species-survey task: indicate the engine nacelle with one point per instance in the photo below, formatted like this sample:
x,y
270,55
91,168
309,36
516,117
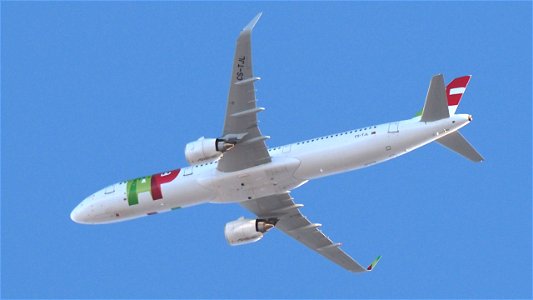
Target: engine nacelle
x,y
244,231
203,150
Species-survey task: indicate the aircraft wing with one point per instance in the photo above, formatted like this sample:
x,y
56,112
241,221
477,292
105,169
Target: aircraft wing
x,y
292,222
240,123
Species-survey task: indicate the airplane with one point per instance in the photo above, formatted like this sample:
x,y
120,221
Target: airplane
x,y
237,167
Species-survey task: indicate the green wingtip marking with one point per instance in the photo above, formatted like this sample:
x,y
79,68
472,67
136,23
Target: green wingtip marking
x,y
418,114
374,263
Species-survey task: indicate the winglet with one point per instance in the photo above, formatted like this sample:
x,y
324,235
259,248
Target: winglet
x,y
252,23
373,264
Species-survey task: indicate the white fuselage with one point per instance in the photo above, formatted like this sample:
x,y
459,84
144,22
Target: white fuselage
x,y
292,165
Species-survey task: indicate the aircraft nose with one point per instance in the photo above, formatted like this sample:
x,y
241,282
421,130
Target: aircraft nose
x,y
79,215
75,215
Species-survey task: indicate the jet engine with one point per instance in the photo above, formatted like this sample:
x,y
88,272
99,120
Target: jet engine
x,y
204,149
244,231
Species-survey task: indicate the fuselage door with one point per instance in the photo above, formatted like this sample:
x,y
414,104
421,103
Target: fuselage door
x,y
393,127
286,149
188,171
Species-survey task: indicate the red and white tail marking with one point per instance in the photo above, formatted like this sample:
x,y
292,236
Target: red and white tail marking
x,y
455,90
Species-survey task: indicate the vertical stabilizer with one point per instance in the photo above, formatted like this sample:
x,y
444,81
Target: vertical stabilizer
x,y
455,90
436,106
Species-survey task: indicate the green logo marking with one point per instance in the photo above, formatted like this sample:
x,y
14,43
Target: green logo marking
x,y
136,186
150,184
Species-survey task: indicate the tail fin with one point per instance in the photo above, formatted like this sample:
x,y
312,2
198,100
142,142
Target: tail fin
x,y
455,90
456,142
436,106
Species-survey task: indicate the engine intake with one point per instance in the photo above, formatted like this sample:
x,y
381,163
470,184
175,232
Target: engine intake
x,y
203,149
244,231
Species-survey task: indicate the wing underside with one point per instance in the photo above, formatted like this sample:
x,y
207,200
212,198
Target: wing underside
x,y
241,112
293,223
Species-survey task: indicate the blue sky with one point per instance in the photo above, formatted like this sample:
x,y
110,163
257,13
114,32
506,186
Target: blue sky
x,y
94,93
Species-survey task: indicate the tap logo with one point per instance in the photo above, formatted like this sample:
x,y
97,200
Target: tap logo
x,y
150,184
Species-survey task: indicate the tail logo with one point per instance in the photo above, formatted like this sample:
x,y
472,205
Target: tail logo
x,y
456,89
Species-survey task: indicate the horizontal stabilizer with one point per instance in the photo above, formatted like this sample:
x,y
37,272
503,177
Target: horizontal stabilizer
x,y
456,142
436,106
